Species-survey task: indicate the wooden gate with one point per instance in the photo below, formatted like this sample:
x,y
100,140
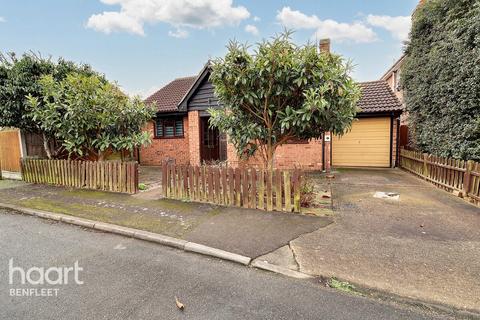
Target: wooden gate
x,y
10,153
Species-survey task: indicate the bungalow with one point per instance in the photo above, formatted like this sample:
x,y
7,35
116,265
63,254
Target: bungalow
x,y
181,133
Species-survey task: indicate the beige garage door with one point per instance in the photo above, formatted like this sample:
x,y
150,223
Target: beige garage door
x,y
366,145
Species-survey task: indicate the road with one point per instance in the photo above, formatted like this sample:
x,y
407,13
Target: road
x,y
130,279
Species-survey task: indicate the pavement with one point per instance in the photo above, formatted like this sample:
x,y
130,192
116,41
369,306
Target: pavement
x,y
124,278
246,232
424,246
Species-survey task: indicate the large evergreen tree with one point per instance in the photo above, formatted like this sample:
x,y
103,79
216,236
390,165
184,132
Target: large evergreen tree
x,y
441,78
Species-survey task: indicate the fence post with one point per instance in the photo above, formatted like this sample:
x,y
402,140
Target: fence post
x,y
467,178
425,165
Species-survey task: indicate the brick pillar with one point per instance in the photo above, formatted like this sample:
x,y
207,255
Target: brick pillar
x,y
194,137
327,137
232,157
325,48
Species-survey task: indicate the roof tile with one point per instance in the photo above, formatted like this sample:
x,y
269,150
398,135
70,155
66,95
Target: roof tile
x,y
167,98
378,97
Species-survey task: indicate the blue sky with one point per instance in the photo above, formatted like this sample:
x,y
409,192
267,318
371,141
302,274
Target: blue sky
x,y
143,44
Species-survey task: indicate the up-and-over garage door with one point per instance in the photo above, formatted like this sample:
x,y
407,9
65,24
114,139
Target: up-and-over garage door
x,y
366,145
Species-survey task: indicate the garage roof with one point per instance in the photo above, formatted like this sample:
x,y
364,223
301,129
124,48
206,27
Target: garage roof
x,y
378,97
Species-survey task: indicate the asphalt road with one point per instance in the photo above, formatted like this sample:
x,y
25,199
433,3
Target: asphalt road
x,y
130,279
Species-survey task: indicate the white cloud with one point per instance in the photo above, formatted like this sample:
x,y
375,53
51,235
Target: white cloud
x,y
179,33
357,31
181,14
399,26
2,19
109,22
250,28
256,19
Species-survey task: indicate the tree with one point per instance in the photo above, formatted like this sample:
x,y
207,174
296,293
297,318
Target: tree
x,y
89,115
281,92
19,78
441,78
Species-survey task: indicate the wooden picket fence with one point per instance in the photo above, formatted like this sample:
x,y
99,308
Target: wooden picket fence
x,y
240,187
446,173
114,176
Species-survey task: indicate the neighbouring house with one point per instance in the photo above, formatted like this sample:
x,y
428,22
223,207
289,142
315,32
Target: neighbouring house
x,y
392,77
180,131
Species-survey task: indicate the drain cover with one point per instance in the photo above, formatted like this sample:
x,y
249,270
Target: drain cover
x,y
387,195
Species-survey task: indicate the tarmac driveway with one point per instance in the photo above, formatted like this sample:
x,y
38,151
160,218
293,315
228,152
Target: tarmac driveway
x,y
425,246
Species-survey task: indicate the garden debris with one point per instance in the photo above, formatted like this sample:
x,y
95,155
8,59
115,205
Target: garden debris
x,y
387,195
179,304
326,194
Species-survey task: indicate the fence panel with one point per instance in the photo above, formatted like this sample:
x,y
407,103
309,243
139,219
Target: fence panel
x,y
114,176
10,150
449,174
240,187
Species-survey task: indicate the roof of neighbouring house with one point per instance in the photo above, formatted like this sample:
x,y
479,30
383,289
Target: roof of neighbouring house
x,y
378,97
397,65
168,97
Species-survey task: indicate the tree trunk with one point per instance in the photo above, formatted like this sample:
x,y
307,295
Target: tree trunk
x,y
269,158
101,155
46,145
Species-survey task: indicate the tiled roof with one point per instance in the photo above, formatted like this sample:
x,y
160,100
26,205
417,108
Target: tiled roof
x,y
378,97
167,98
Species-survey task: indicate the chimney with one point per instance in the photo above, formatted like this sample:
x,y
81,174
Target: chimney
x,y
325,45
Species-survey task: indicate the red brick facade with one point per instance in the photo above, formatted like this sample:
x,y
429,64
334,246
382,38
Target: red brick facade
x,y
166,149
307,156
186,150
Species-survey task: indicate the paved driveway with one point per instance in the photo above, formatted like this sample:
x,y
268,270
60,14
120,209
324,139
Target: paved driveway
x,y
426,245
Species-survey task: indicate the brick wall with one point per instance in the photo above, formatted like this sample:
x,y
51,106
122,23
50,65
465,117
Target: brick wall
x,y
307,156
394,142
166,149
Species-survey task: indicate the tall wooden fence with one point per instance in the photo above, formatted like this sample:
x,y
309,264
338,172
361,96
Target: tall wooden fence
x,y
10,150
449,174
114,176
240,187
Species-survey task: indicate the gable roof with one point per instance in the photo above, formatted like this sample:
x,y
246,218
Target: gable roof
x,y
198,80
378,97
168,97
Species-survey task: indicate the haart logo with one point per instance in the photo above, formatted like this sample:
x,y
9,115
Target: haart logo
x,y
40,276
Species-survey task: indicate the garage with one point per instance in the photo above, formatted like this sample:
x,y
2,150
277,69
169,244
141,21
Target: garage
x,y
368,144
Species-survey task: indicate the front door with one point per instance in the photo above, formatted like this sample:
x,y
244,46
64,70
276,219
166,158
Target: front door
x,y
209,142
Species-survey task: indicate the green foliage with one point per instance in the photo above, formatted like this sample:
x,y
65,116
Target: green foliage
x,y
441,78
343,286
19,78
280,92
89,115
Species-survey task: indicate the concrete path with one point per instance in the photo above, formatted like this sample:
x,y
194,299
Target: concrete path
x,y
250,233
424,246
131,279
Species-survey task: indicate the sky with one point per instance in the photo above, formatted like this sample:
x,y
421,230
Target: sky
x,y
144,44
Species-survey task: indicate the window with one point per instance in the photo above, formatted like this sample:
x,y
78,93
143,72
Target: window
x,y
168,127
